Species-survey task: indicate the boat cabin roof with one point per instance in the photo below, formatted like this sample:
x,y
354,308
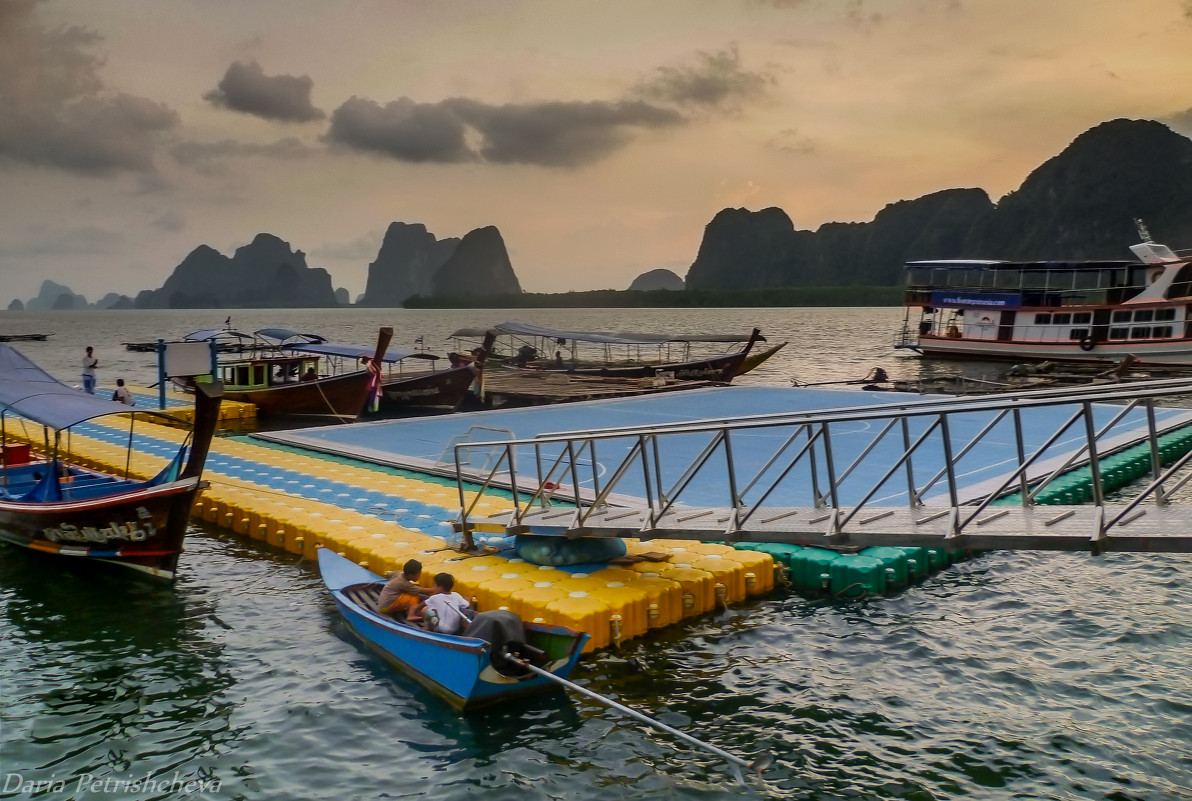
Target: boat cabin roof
x,y
351,351
980,264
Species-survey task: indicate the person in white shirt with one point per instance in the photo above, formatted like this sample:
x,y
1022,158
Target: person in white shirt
x,y
122,394
444,611
89,365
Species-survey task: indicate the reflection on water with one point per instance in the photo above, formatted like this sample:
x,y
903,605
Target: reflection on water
x,y
1010,675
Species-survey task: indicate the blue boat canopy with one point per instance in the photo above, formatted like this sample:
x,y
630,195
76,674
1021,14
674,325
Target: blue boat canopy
x,y
351,351
32,393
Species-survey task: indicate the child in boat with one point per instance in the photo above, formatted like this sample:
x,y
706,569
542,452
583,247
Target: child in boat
x,y
443,610
401,592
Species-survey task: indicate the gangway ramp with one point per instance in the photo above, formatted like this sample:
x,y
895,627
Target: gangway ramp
x,y
1008,471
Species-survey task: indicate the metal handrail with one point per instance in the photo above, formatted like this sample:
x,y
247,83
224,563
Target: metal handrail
x,y
816,454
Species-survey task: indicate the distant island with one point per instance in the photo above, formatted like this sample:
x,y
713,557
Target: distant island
x,y
1081,204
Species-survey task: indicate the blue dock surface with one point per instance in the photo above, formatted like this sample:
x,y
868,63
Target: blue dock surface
x,y
425,443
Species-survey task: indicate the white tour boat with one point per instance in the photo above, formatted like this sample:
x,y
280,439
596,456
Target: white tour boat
x,y
1084,311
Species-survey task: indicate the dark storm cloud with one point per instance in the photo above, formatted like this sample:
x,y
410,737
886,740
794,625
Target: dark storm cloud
x,y
403,129
558,133
716,80
551,134
246,88
56,111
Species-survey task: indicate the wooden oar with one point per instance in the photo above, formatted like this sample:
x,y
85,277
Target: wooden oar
x,y
758,765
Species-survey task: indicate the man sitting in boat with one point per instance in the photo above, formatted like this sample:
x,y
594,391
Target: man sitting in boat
x,y
443,610
402,593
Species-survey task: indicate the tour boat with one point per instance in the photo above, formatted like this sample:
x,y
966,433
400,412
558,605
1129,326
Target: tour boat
x,y
1078,311
104,515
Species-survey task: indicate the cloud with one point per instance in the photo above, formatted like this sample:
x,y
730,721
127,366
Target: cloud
x,y
402,129
169,221
56,111
206,157
455,130
558,133
246,88
1181,122
715,81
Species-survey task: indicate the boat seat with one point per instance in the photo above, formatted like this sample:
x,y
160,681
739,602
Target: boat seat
x,y
365,597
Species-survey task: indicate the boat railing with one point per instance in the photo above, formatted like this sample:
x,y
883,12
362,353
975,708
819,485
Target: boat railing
x,y
901,473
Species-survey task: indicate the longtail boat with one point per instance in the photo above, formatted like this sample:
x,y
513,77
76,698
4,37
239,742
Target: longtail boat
x,y
620,354
401,388
466,670
52,506
286,384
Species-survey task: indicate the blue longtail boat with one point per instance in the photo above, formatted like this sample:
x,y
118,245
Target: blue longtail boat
x,y
477,668
103,516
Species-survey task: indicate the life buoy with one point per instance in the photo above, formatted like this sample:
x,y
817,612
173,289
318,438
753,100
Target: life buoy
x,y
1086,343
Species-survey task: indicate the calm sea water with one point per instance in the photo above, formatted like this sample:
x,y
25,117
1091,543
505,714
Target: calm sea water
x,y
1011,675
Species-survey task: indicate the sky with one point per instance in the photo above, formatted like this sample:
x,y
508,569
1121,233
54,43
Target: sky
x,y
599,137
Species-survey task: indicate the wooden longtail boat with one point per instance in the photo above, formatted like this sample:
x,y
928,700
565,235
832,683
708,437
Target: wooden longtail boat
x,y
716,368
284,384
467,671
49,506
403,390
618,355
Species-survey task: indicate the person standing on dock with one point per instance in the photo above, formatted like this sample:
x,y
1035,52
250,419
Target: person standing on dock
x,y
89,365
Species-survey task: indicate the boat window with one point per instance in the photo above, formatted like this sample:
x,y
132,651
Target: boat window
x,y
1162,331
1007,279
1082,318
1078,333
1042,319
242,376
1121,316
1119,333
1143,332
1144,315
1034,279
1061,319
258,374
1165,314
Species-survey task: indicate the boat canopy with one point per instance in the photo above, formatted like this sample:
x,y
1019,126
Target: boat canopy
x,y
32,393
350,351
205,334
283,334
516,328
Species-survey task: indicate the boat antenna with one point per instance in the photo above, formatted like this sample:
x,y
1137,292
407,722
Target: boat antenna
x,y
757,766
1143,233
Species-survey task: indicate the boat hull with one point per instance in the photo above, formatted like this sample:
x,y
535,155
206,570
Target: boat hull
x,y
342,397
1175,353
442,389
756,357
142,529
457,669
